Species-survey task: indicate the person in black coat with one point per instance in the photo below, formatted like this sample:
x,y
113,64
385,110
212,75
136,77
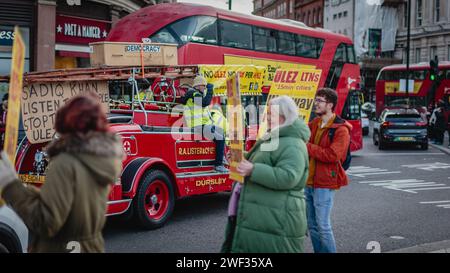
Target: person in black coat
x,y
440,125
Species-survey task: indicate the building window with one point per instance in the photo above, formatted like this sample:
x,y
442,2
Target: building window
x,y
334,16
417,55
320,16
258,4
419,13
437,10
433,52
345,13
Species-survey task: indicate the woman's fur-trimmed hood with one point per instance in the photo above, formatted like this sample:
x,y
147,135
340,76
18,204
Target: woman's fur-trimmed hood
x,y
101,153
93,143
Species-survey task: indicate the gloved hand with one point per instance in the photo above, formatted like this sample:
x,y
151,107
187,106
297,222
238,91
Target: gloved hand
x,y
209,87
7,172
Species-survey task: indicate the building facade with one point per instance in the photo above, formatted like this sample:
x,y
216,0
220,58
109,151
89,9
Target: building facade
x,y
339,16
275,9
57,33
310,12
430,31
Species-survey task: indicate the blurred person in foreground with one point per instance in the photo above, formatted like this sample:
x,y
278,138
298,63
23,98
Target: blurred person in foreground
x,y
69,209
268,213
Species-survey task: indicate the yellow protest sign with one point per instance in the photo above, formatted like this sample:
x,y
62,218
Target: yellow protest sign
x,y
15,89
236,126
250,77
299,84
270,65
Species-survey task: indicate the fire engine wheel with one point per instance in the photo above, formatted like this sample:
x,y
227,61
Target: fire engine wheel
x,y
155,200
164,93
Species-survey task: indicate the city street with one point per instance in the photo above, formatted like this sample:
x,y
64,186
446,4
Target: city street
x,y
397,198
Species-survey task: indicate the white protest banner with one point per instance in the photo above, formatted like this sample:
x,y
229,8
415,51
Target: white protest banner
x,y
41,101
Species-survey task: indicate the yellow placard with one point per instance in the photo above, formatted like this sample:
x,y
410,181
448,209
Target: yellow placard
x,y
15,89
236,126
270,65
299,84
250,77
394,88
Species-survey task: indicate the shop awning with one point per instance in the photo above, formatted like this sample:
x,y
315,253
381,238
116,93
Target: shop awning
x,y
72,50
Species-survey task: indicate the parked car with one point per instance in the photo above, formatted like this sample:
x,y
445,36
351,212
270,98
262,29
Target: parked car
x,y
13,232
364,124
401,125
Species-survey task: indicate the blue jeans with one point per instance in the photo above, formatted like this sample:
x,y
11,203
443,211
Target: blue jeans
x,y
319,203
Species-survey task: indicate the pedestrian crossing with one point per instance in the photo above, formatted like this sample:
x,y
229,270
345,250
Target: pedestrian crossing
x,y
440,204
428,166
363,171
407,185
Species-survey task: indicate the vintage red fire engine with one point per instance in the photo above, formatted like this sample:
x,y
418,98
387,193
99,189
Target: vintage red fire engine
x,y
163,162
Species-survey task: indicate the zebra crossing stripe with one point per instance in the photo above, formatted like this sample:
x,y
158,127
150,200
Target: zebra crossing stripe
x,y
444,204
407,185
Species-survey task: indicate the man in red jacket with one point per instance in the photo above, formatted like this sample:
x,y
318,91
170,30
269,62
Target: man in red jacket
x,y
326,174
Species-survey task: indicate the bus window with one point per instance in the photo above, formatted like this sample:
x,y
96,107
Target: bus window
x,y
264,39
163,36
352,107
403,101
286,43
309,47
419,75
447,74
235,35
351,54
198,29
340,54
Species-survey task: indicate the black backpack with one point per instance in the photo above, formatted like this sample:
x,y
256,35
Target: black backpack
x,y
348,158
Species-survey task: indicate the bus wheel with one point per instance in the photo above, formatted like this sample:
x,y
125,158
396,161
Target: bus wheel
x,y
155,200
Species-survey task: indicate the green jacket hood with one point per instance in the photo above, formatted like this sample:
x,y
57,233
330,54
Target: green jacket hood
x,y
101,153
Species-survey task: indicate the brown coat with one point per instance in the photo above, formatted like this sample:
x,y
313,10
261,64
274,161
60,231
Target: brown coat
x,y
69,209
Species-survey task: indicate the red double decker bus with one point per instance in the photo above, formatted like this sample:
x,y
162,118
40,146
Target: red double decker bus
x,y
207,35
425,92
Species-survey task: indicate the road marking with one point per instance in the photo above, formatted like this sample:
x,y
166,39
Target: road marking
x,y
443,204
407,185
399,154
363,171
435,202
428,166
397,237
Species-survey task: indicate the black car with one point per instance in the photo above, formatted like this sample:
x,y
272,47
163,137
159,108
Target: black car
x,y
396,126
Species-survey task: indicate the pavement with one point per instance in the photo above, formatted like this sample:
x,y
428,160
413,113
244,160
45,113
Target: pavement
x,y
436,247
444,148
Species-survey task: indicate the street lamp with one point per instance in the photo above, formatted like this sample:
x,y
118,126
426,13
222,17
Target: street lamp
x,y
408,45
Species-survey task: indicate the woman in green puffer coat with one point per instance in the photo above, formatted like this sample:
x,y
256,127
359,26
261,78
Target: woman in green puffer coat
x,y
270,215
